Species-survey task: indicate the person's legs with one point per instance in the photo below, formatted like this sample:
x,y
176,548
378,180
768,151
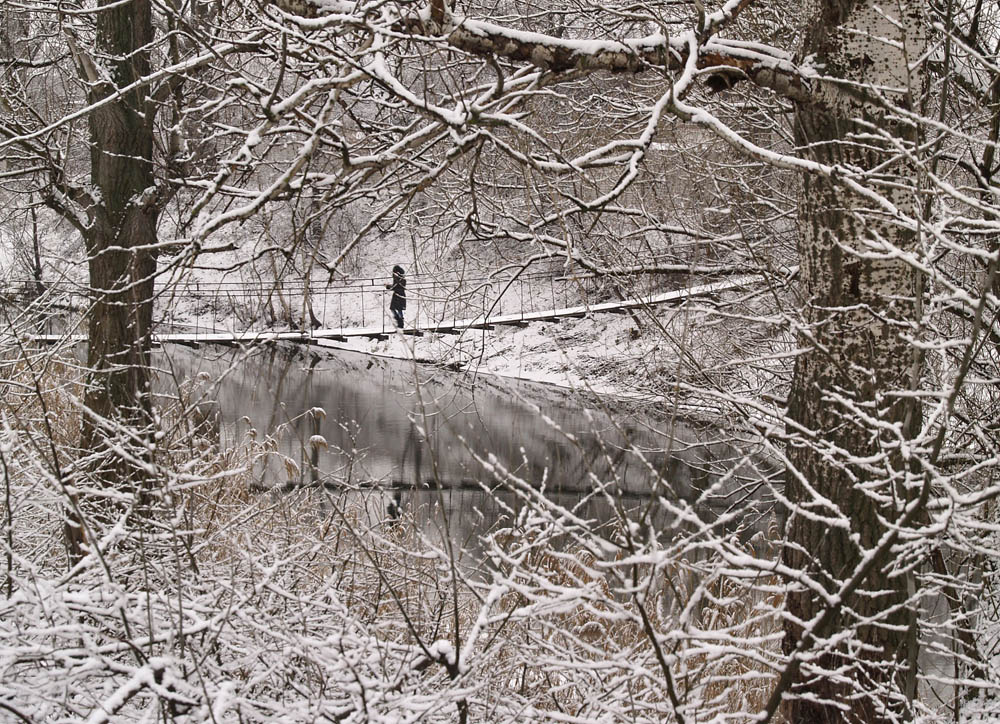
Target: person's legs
x,y
398,315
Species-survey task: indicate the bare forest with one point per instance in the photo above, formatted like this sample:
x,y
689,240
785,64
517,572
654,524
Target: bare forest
x,y
761,238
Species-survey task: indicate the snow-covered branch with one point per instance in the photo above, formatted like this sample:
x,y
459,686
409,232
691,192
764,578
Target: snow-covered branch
x,y
723,63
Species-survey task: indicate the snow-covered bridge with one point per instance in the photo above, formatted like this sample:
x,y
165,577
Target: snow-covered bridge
x,y
490,318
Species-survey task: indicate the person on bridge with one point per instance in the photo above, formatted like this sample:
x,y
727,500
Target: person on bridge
x,y
398,303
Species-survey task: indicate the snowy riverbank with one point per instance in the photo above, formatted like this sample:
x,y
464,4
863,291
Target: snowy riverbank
x,y
601,353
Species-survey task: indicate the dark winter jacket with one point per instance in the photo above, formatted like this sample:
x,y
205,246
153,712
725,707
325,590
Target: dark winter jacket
x,y
398,288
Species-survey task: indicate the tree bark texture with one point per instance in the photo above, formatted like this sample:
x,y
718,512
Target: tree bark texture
x,y
847,480
121,241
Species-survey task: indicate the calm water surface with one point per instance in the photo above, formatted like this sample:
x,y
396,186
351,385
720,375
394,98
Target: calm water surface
x,y
436,443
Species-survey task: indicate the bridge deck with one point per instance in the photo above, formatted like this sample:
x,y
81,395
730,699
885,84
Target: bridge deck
x,y
453,326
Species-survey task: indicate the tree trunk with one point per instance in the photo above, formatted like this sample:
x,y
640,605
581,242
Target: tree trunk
x,y
860,304
121,248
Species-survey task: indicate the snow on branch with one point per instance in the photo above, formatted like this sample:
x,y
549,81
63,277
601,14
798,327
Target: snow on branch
x,y
724,62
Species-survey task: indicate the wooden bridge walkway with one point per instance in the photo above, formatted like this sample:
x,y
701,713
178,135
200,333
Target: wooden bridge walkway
x,y
196,336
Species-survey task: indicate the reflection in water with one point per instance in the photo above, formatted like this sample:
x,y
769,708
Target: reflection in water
x,y
435,445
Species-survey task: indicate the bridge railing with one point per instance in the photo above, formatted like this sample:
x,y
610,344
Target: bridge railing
x,y
239,306
365,302
33,308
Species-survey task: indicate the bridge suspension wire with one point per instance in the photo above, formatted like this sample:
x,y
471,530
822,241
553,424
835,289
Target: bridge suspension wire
x,y
516,303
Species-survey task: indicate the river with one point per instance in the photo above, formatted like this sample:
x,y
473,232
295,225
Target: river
x,y
435,443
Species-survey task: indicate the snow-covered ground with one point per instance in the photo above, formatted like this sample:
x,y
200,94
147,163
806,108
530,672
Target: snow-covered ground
x,y
596,352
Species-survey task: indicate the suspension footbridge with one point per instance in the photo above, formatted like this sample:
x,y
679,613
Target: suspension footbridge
x,y
360,312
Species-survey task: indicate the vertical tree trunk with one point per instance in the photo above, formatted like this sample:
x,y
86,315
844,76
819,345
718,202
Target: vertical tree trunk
x,y
861,303
121,243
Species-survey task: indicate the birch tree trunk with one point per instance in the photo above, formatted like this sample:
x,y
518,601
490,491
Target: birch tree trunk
x,y
848,409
